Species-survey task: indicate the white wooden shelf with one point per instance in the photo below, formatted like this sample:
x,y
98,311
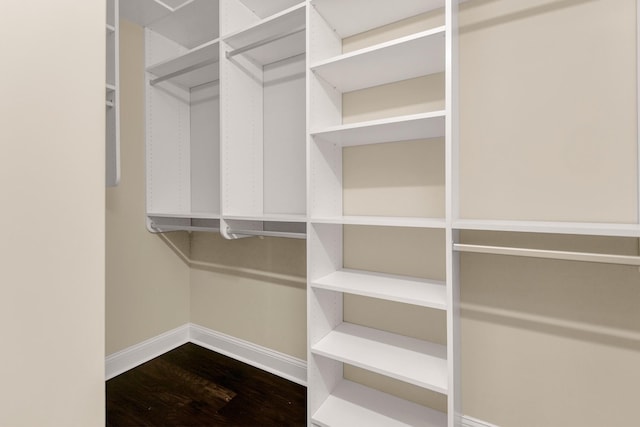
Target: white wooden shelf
x,y
413,56
408,290
351,404
584,228
265,9
191,24
407,359
402,128
267,218
194,68
382,221
193,215
275,38
341,14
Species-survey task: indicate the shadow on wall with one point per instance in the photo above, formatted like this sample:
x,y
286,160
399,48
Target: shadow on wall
x,y
275,260
513,16
577,300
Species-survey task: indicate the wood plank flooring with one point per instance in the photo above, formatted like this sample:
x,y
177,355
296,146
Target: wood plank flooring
x,y
193,386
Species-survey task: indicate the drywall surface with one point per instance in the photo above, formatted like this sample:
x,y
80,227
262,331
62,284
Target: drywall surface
x,y
147,280
253,289
52,170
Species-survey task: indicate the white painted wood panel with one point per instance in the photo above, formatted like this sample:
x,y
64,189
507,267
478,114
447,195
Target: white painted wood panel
x,y
417,362
409,290
351,404
412,56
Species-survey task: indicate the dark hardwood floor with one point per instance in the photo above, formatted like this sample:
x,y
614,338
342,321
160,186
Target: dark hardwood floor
x,y
192,386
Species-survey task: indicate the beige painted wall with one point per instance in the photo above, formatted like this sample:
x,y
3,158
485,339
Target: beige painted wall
x,y
52,195
547,97
252,288
147,283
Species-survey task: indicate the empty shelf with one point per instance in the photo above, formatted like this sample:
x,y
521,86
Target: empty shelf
x,y
403,128
268,218
412,56
351,404
194,215
275,38
198,17
407,359
559,227
409,290
340,13
382,221
264,9
196,67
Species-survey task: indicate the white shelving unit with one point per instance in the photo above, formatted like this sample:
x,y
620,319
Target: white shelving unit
x,y
112,95
334,342
183,116
263,111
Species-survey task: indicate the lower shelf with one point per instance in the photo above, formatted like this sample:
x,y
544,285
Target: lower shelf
x,y
407,359
352,404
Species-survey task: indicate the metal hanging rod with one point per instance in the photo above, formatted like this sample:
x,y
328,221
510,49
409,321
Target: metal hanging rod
x,y
261,43
182,71
267,233
550,254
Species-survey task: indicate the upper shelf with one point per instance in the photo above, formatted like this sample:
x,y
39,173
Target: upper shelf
x,y
351,404
412,56
403,128
194,68
559,227
272,39
264,9
407,359
340,14
189,23
408,290
381,221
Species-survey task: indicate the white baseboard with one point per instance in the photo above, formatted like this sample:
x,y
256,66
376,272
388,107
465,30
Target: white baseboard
x,y
473,422
277,363
136,355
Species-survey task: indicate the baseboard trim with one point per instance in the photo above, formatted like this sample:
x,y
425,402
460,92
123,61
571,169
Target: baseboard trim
x,y
474,422
130,357
283,365
277,363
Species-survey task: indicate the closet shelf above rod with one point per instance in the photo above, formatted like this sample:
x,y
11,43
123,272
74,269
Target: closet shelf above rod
x,y
549,254
261,43
290,235
185,70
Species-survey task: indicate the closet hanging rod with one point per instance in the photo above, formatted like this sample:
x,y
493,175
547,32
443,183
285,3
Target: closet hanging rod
x,y
182,71
261,43
549,254
267,233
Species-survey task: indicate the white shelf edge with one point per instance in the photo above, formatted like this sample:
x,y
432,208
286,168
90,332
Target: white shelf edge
x,y
206,54
194,215
395,129
380,122
110,28
267,218
378,47
342,22
352,404
550,227
408,290
110,87
415,55
382,221
228,38
416,362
